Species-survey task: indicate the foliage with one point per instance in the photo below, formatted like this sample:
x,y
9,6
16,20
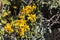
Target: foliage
x,y
23,19
19,19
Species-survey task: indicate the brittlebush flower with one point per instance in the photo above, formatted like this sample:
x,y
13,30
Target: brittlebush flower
x,y
20,31
20,22
27,9
8,28
34,6
26,27
4,14
32,17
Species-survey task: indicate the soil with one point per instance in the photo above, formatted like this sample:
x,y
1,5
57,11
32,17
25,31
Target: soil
x,y
55,35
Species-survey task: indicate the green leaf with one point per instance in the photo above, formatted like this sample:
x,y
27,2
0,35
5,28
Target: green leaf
x,y
5,2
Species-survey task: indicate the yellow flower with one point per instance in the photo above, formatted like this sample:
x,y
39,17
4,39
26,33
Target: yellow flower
x,y
34,6
28,9
29,6
20,31
32,17
8,28
14,7
17,24
26,27
21,25
20,22
23,21
4,14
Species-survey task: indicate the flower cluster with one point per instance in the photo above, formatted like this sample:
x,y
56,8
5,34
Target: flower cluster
x,y
28,9
22,23
28,12
19,25
8,28
27,19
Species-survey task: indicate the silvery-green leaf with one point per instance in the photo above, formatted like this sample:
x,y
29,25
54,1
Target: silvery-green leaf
x,y
5,2
4,21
